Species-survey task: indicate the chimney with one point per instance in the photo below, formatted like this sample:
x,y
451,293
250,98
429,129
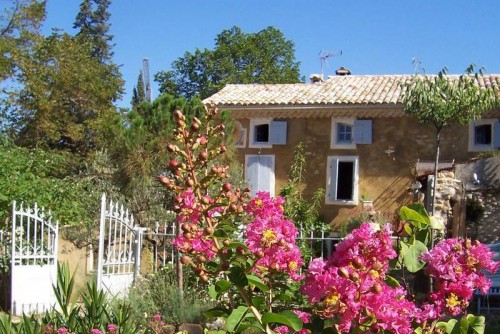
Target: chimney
x,y
315,78
342,71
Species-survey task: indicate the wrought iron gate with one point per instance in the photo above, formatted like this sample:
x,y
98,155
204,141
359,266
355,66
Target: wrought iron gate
x,y
120,244
34,260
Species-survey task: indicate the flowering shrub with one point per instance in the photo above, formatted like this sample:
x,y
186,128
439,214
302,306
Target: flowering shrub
x,y
351,292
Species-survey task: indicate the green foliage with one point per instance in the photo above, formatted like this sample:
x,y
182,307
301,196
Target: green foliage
x,y
238,58
61,104
139,93
92,22
469,324
20,22
304,213
159,293
33,175
139,151
444,100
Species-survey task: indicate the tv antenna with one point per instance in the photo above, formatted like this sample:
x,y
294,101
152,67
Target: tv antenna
x,y
324,55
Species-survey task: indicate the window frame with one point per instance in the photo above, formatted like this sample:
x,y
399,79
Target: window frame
x,y
334,143
355,181
256,122
473,147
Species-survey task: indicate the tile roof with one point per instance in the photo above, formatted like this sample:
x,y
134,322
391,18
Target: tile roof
x,y
350,90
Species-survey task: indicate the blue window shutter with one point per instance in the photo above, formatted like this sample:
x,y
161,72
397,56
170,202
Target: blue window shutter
x,y
332,186
363,131
277,132
496,134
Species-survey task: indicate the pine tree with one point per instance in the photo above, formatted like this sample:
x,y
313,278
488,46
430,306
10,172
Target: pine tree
x,y
93,22
139,93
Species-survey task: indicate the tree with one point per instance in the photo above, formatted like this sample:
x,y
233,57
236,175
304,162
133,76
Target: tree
x,y
238,58
139,93
67,97
19,28
443,100
92,20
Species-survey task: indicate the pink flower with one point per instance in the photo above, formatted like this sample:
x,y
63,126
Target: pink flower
x,y
350,286
95,331
62,330
271,237
111,329
456,268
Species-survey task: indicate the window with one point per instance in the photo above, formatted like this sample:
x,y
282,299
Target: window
x,y
484,135
342,180
347,132
265,132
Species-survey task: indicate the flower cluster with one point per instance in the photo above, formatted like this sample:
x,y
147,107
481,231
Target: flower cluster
x,y
156,324
195,239
351,286
454,266
271,237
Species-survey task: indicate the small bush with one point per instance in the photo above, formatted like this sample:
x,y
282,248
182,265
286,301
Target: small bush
x,y
158,294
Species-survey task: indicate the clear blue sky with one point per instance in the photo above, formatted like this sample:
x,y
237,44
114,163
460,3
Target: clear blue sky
x,y
375,36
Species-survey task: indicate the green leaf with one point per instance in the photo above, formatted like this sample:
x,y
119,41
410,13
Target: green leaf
x,y
237,276
287,318
412,255
235,318
477,323
258,301
212,292
391,281
418,219
222,286
215,312
254,280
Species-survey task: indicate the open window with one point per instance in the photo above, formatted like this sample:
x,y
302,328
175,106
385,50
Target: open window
x,y
347,132
265,132
342,180
484,135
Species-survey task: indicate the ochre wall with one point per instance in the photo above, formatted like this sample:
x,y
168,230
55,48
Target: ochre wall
x,y
385,179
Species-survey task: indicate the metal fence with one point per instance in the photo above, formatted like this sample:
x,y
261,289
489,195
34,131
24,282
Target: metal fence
x,y
320,243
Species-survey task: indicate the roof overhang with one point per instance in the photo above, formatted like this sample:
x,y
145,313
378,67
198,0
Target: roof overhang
x,y
315,111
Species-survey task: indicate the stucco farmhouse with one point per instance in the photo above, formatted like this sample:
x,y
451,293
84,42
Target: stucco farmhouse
x,y
358,142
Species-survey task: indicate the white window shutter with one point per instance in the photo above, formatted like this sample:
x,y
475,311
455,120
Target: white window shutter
x,y
363,131
332,186
277,132
253,173
496,134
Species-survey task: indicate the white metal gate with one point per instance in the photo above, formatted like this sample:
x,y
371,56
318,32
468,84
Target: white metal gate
x,y
119,249
34,260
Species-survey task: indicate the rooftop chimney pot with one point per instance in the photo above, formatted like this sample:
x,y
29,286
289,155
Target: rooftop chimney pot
x,y
342,71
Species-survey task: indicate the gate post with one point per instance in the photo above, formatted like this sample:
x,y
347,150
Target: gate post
x,y
138,231
100,257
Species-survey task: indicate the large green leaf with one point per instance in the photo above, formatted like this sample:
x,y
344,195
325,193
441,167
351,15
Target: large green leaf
x,y
216,312
254,280
287,318
418,219
412,255
235,318
476,323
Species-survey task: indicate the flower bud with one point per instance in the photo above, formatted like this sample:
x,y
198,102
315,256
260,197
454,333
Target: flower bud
x,y
186,260
226,187
343,272
164,180
173,164
208,230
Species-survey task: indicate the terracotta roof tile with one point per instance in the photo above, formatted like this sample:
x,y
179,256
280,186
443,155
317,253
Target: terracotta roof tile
x,y
335,91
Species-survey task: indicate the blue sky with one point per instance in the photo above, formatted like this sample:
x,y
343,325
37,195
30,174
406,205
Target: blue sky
x,y
375,36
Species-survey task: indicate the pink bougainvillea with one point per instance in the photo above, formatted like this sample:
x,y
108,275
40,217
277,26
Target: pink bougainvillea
x,y
271,237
